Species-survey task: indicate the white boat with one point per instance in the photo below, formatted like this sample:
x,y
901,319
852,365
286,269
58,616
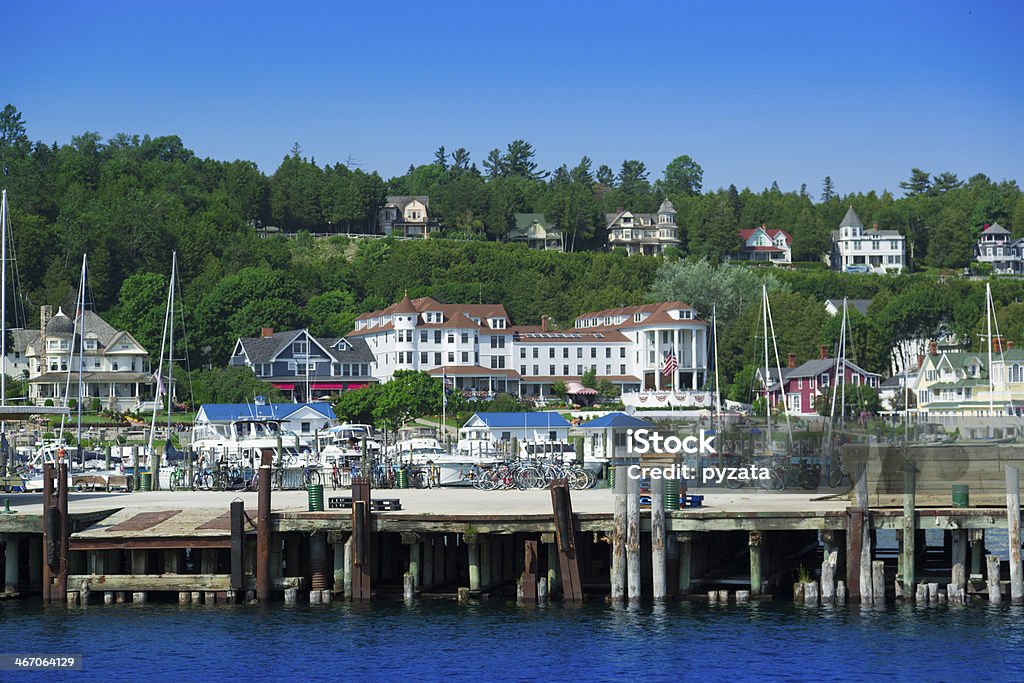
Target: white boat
x,y
244,440
345,442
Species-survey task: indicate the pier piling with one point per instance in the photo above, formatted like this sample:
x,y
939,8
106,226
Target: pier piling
x,y
907,553
1013,533
11,558
633,538
958,547
995,589
473,552
658,582
263,529
618,537
754,541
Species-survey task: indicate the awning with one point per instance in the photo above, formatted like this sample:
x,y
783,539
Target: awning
x,y
285,387
335,386
578,389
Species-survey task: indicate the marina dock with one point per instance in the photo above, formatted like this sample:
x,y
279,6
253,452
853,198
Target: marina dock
x,y
462,543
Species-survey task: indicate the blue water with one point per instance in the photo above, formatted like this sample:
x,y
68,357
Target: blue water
x,y
440,640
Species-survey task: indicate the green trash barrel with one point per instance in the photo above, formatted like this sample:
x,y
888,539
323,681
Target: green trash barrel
x,y
402,479
316,497
961,496
611,476
146,481
671,493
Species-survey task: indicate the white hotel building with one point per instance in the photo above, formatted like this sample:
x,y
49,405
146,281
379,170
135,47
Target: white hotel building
x,y
856,250
478,348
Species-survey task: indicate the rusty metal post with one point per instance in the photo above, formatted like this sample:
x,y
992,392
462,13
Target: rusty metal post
x,y
237,546
65,530
263,530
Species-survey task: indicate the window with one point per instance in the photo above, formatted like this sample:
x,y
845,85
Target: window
x,y
465,337
551,352
305,428
593,352
437,336
536,351
451,356
497,362
451,337
522,352
565,369
579,352
622,369
800,383
423,357
536,370
607,369
579,370
424,336
437,358
300,347
551,370
465,356
522,369
824,379
608,352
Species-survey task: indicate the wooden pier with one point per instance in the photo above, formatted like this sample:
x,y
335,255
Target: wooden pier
x,y
198,547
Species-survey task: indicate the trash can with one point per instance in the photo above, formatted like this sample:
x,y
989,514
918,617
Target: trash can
x,y
671,493
402,478
316,497
961,496
611,476
146,481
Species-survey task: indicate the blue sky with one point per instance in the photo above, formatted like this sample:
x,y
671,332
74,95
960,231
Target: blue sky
x,y
755,92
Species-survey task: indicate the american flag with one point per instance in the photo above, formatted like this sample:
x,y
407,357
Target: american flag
x,y
670,364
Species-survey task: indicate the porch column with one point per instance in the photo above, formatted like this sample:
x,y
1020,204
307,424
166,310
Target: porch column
x,y
693,358
676,349
657,360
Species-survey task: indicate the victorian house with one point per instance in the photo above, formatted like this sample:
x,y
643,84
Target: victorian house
x,y
643,233
407,217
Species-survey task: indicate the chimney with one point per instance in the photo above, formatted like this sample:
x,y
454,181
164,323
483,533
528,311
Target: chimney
x,y
998,345
45,313
267,332
543,323
791,360
933,348
985,227
823,352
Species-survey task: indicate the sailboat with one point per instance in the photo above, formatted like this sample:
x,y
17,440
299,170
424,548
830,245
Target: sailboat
x,y
166,342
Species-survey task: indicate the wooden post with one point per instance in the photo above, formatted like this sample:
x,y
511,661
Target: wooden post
x,y
346,588
658,583
361,553
413,541
754,545
473,550
263,529
1013,533
618,563
958,572
907,553
428,561
408,587
995,589
531,585
11,564
338,577
136,478
49,543
318,562
542,590
921,595
878,582
712,597
237,515
154,467
685,543
565,538
828,570
633,538
486,569
977,539
554,580
811,593
858,543
65,528
840,592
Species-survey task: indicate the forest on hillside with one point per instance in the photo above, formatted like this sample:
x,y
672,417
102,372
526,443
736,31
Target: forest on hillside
x,y
128,201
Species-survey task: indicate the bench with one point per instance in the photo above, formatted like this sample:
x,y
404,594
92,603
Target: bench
x,y
119,481
12,484
376,504
88,482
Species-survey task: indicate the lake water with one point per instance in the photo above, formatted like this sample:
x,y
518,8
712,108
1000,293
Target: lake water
x,y
440,640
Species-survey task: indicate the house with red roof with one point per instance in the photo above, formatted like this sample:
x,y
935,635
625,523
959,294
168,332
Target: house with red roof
x,y
765,245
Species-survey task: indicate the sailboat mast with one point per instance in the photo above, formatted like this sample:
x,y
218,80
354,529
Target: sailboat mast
x,y
170,342
988,322
81,358
718,391
3,304
767,368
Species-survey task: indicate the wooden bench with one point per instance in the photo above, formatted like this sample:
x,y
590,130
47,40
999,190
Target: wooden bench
x,y
11,483
119,482
376,504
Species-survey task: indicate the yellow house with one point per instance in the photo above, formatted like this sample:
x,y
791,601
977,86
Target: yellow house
x,y
957,387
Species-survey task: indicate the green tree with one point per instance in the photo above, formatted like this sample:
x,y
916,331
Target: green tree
x,y
683,176
141,309
920,183
234,384
409,395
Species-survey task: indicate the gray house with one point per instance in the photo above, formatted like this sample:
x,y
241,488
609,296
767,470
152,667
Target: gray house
x,y
303,366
